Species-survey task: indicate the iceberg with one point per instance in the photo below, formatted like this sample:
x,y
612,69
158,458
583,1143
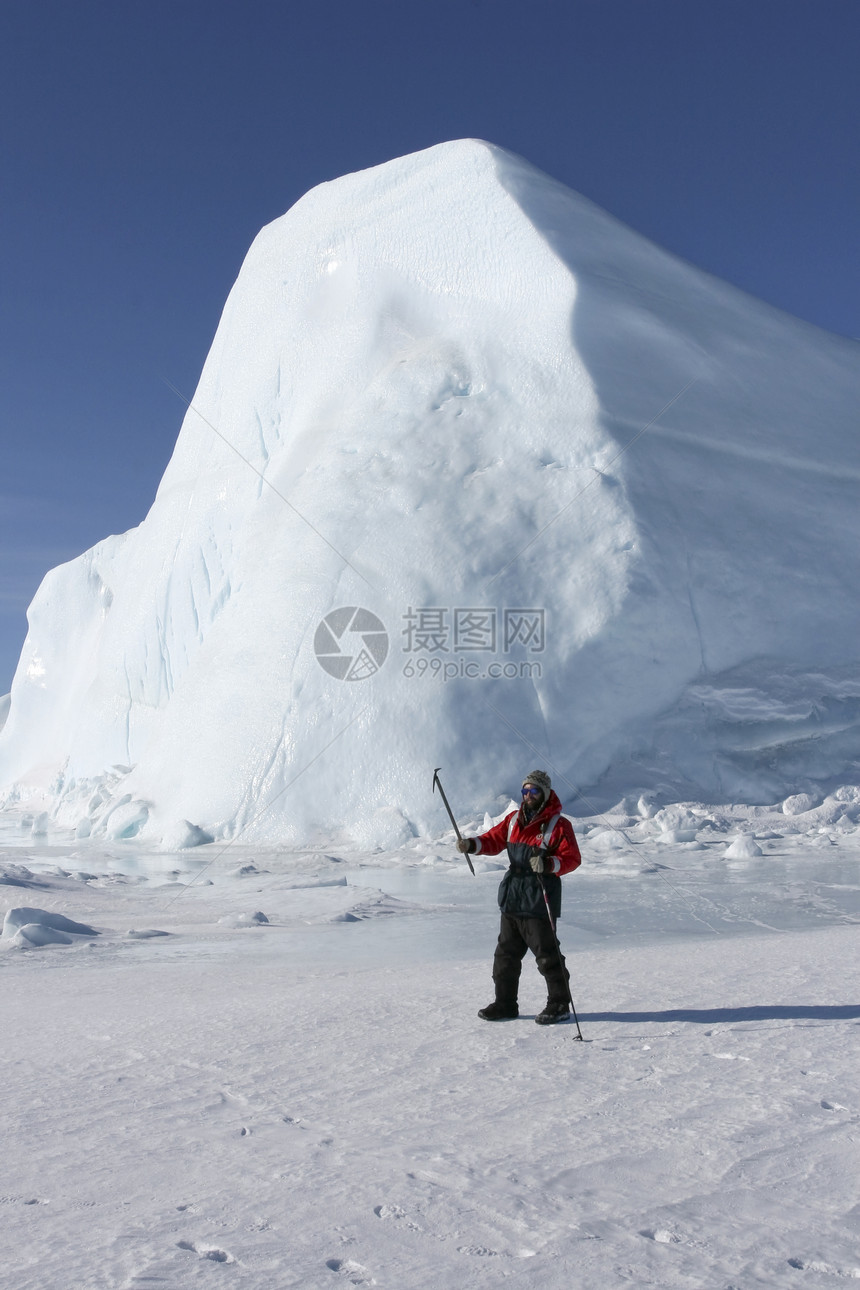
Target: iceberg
x,y
474,477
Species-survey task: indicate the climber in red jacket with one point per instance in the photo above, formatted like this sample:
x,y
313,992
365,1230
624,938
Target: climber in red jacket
x,y
541,846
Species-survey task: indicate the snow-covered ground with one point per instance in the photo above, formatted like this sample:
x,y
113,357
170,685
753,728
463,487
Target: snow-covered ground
x,y
312,1101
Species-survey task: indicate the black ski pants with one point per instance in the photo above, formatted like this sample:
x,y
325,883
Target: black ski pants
x,y
516,935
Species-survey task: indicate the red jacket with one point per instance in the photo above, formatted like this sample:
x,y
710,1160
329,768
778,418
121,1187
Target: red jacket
x,y
563,847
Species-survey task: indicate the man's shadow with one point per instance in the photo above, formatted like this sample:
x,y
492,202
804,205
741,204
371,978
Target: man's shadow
x,y
717,1016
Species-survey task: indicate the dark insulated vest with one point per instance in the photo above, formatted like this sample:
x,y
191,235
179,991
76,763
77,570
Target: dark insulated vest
x,y
520,892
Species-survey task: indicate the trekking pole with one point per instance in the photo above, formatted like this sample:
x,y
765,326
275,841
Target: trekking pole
x,y
437,781
564,971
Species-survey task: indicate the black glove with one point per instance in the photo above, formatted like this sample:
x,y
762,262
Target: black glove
x,y
466,844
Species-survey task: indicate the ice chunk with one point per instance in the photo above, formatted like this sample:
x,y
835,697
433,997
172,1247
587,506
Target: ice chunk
x,y
182,835
127,820
38,934
797,804
40,824
243,920
18,875
744,847
23,916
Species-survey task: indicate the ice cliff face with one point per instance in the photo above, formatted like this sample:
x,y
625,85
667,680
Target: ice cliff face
x,y
425,401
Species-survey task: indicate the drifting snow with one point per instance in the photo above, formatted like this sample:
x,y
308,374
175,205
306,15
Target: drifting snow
x,y
451,383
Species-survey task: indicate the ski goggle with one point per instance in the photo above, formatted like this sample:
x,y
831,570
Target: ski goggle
x,y
529,790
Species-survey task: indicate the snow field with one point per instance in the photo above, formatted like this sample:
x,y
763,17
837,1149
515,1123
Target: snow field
x,y
314,1102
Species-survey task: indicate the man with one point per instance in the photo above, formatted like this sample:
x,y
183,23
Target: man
x,y
541,847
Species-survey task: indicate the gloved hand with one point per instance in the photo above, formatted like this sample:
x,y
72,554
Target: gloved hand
x,y
541,864
466,844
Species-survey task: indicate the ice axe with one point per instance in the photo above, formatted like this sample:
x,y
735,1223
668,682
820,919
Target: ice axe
x,y
561,966
437,782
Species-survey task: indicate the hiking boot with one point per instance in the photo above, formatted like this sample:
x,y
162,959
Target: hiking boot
x,y
555,1010
499,1012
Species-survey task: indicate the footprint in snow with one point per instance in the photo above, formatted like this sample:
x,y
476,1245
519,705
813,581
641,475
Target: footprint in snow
x,y
210,1252
818,1265
357,1273
389,1211
480,1250
228,1098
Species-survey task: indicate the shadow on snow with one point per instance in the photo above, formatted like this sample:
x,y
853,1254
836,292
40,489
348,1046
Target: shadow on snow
x,y
712,1016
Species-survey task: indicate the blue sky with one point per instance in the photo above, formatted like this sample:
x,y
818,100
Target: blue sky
x,y
144,145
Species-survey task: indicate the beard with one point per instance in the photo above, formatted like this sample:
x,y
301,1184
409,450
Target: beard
x,y
532,807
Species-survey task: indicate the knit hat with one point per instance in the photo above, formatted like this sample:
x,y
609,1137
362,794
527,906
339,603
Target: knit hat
x,y
541,780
